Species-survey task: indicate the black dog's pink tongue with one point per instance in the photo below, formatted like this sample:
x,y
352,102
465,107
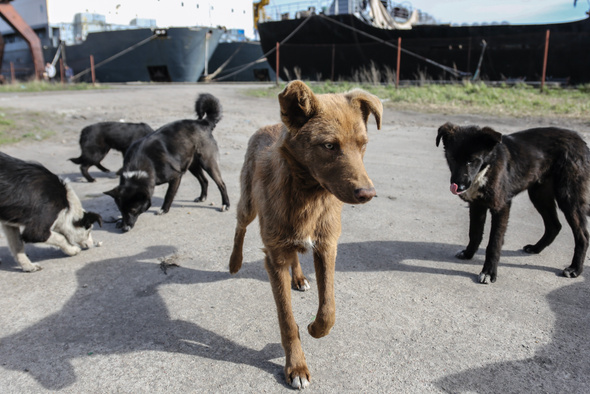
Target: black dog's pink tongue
x,y
454,188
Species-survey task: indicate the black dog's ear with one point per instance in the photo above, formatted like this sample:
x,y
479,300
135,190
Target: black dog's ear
x,y
113,193
88,220
445,132
298,104
493,136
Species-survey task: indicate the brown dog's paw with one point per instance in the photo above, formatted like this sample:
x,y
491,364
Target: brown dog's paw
x,y
300,284
235,262
298,377
321,327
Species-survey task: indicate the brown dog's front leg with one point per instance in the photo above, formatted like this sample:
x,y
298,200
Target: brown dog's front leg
x,y
277,265
324,262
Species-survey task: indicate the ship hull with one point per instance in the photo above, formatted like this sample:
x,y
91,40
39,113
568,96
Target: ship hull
x,y
228,63
325,50
178,56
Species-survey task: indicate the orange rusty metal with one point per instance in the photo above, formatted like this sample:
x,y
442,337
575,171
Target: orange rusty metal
x,y
10,16
544,73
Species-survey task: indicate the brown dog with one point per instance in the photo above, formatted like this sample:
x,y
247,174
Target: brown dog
x,y
295,177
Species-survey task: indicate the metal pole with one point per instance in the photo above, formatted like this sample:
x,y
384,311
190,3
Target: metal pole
x,y
92,69
61,70
277,69
399,55
333,60
207,36
545,60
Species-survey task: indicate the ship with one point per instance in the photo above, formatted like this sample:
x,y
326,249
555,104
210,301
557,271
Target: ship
x,y
141,50
351,38
175,54
238,59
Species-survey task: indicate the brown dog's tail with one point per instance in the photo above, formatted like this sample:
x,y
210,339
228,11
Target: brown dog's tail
x,y
208,108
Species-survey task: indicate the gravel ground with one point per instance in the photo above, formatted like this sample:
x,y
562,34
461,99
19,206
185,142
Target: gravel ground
x,y
410,317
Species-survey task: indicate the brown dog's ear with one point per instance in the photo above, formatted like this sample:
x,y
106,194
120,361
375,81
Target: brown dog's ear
x,y
445,131
494,136
113,192
298,104
369,103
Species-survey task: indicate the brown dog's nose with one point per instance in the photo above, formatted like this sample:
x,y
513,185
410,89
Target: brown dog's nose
x,y
364,194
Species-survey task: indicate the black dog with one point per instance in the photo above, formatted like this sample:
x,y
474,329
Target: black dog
x,y
488,170
97,139
45,207
164,157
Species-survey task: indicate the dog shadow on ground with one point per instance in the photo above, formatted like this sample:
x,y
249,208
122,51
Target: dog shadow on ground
x,y
207,204
37,254
561,366
117,309
407,257
100,176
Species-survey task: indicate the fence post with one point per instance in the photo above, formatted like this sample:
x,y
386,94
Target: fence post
x,y
399,55
545,60
277,64
12,73
92,69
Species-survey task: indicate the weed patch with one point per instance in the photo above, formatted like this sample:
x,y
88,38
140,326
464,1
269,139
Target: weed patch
x,y
518,100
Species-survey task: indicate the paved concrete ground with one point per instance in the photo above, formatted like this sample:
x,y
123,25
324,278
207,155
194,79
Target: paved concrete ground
x,y
410,317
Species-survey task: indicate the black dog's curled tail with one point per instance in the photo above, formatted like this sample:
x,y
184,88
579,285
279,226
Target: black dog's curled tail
x,y
208,108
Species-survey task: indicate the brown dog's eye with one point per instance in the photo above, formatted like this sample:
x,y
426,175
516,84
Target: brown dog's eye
x,y
329,146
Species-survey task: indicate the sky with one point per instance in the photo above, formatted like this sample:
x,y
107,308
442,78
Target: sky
x,y
165,12
513,11
444,11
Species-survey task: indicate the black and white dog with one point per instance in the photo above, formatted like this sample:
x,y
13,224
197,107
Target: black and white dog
x,y
46,209
97,139
164,157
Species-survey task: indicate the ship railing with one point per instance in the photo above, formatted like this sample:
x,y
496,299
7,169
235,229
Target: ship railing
x,y
296,9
